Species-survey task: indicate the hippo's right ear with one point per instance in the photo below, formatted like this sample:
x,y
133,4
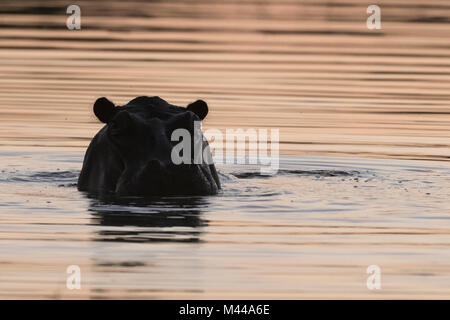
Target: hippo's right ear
x,y
104,109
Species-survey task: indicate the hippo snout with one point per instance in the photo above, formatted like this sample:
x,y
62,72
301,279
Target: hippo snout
x,y
136,182
153,166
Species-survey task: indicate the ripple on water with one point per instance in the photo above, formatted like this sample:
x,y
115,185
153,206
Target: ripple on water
x,y
309,212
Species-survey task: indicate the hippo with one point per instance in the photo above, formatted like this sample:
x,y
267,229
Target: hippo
x,y
132,154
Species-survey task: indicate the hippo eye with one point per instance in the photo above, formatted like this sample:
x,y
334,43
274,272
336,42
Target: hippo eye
x,y
114,127
120,124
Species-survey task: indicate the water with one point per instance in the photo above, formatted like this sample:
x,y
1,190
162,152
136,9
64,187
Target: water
x,y
363,118
309,231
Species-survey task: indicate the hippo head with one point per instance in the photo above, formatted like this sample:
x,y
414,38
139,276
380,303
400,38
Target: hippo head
x,y
132,154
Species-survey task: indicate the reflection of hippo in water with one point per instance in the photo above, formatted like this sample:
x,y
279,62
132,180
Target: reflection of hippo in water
x,y
131,154
168,219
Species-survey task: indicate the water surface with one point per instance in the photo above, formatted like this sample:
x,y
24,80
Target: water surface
x,y
341,95
309,231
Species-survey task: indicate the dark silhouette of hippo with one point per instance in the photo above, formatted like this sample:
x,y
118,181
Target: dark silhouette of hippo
x,y
131,154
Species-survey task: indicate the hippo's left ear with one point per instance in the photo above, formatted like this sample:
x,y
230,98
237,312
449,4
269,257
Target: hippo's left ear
x,y
104,109
199,107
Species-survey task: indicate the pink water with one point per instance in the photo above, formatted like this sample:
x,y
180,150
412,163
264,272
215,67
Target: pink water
x,y
364,123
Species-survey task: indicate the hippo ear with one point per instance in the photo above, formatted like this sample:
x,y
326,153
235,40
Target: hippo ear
x,y
199,107
104,109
